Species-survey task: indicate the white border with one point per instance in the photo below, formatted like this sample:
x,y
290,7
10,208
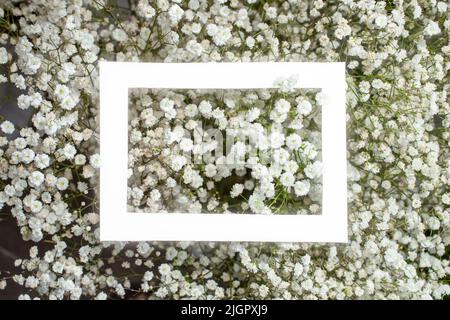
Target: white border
x,y
118,225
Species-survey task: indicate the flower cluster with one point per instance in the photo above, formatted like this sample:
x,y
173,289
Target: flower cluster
x,y
224,151
397,58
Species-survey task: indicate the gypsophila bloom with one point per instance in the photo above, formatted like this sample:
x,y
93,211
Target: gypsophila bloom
x,y
175,13
7,127
236,190
381,21
432,29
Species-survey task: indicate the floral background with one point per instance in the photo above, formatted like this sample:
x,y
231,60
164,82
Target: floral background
x,y
396,54
225,151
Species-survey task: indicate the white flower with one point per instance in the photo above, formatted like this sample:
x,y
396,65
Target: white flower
x,y
236,190
69,151
177,162
432,29
32,282
253,114
342,31
210,170
166,105
276,139
36,206
381,21
68,103
145,10
23,102
175,13
277,116
80,159
446,198
393,258
205,108
42,161
291,166
249,185
293,141
155,195
7,127
221,36
175,135
287,84
61,91
95,161
250,42
279,113
136,193
314,170
36,178
301,188
287,179
186,144
256,203
101,296
164,269
119,35
304,107
194,47
263,291
148,276
442,6
282,106
191,110
62,183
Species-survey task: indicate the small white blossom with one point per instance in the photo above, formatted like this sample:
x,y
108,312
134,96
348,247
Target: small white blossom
x,y
7,127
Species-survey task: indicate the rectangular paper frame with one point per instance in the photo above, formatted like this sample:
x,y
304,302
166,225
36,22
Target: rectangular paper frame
x,y
116,224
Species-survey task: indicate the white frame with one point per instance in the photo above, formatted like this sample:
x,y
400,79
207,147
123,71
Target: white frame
x,y
116,224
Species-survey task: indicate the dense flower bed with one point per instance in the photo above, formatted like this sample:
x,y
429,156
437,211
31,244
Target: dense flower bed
x,y
225,151
398,139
